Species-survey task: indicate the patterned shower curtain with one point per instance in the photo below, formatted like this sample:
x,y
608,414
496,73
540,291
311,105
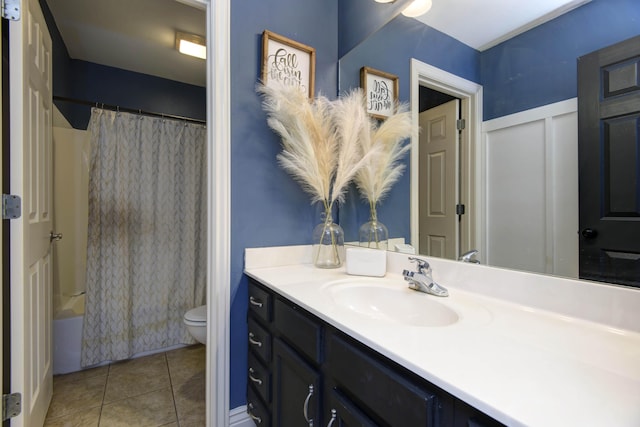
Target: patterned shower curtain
x,y
146,250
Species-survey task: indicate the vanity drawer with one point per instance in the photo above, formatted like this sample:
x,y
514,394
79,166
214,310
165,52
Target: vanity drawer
x,y
259,377
260,302
376,389
259,340
256,409
299,329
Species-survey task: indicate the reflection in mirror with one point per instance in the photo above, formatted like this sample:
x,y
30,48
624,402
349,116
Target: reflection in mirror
x,y
524,191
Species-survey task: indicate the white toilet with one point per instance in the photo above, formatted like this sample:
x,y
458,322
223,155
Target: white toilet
x,y
196,321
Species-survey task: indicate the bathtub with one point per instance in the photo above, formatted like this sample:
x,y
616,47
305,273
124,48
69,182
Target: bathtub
x,y
67,335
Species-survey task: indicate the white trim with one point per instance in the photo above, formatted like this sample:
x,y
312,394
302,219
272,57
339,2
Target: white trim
x,y
538,113
559,181
471,95
238,417
219,207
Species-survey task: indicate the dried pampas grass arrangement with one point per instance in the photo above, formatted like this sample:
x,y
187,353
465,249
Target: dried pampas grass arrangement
x,y
320,140
384,167
328,144
380,172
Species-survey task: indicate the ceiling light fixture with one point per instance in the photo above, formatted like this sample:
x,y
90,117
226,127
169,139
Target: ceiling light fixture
x,y
384,1
417,8
191,44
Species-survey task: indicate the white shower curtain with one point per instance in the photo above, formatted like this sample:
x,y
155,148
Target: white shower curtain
x,y
146,250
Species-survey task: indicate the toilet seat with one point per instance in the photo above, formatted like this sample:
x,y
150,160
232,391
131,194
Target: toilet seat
x,y
196,315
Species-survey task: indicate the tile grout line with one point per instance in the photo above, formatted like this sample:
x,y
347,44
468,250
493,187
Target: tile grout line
x,y
173,394
104,393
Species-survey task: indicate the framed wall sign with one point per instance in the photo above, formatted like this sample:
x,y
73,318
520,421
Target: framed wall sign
x,y
288,62
380,90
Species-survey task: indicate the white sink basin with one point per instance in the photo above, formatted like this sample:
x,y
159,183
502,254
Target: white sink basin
x,y
390,301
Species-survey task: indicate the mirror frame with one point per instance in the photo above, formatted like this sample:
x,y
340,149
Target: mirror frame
x,y
470,94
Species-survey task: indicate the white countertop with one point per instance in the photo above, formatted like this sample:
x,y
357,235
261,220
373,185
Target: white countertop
x,y
519,364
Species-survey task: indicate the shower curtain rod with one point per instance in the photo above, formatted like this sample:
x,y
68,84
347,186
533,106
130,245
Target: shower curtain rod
x,y
128,110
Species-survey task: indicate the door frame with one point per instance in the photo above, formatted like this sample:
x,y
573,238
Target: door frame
x,y
470,95
218,209
219,220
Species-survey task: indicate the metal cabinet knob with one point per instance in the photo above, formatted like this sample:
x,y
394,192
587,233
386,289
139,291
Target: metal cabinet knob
x,y
54,236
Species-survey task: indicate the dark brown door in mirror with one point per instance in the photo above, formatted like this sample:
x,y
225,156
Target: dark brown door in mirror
x,y
609,163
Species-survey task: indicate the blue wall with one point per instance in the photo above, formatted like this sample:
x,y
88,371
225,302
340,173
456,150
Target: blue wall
x,y
540,66
267,207
358,19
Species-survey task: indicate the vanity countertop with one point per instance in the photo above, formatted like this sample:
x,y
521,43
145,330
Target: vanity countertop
x,y
522,365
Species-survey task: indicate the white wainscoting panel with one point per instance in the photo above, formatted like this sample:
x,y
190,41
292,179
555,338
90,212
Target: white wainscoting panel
x,y
530,190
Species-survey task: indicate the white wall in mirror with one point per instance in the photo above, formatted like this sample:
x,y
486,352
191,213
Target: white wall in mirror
x,y
530,190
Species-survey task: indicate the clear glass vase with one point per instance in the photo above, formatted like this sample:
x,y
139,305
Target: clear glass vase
x,y
374,234
328,243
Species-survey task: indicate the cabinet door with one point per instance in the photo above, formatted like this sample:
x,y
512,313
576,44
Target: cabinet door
x,y
468,416
341,412
296,388
379,388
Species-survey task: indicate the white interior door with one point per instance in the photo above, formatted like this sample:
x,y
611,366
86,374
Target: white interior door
x,y
31,166
438,181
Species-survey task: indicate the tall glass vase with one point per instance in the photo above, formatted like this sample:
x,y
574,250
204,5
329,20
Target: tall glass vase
x,y
374,234
328,243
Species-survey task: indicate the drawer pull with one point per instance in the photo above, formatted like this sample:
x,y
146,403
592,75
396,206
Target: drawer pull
x,y
253,341
305,409
255,302
253,417
334,416
254,379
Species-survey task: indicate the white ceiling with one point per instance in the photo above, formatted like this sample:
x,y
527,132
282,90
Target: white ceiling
x,y
135,35
482,24
139,35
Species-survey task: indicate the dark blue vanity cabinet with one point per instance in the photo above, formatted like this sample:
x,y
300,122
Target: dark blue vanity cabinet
x,y
304,372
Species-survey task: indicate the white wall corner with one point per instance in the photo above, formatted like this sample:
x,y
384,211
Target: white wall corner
x,y
238,417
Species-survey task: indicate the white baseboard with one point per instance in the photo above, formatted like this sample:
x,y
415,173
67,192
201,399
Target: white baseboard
x,y
238,417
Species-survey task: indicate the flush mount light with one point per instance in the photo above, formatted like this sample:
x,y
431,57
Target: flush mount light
x,y
191,44
384,1
417,8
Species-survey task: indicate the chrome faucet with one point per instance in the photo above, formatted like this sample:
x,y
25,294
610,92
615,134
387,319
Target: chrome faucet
x,y
421,279
468,257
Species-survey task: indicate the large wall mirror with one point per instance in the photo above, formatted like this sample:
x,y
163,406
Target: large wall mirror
x,y
517,158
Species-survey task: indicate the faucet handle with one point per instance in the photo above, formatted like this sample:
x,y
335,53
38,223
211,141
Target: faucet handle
x,y
422,264
467,257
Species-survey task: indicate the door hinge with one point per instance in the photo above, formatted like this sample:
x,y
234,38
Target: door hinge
x,y
459,209
11,206
460,124
11,405
10,9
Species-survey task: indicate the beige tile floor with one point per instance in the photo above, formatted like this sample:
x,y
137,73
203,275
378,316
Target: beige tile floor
x,y
164,389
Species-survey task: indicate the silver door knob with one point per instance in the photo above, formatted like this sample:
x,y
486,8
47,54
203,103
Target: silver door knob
x,y
55,236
